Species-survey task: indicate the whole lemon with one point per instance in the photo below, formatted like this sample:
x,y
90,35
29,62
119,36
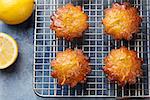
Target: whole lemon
x,y
15,11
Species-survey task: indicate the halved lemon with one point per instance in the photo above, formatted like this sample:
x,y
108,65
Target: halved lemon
x,y
8,50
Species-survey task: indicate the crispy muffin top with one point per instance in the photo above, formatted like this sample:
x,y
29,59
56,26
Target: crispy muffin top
x,y
70,67
69,22
123,65
121,21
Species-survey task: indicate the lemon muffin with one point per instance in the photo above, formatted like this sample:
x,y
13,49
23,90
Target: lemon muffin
x,y
70,67
121,21
123,65
69,22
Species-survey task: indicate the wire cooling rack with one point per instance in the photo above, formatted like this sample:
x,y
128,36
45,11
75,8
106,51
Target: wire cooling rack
x,y
95,44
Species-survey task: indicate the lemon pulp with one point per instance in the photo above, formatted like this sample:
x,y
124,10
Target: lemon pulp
x,y
8,50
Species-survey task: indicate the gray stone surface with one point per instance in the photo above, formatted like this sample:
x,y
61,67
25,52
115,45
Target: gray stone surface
x,y
16,81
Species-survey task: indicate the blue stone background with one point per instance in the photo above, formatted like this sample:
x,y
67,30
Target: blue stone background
x,y
16,81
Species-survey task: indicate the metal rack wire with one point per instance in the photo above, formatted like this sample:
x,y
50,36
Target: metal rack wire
x,y
95,45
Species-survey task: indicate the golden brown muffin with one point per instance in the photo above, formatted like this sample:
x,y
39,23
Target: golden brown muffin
x,y
123,65
69,22
70,67
121,21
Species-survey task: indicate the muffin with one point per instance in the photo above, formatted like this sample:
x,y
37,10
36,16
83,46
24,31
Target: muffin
x,y
69,22
70,67
121,21
123,65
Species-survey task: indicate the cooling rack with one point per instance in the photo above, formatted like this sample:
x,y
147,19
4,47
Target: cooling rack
x,y
95,44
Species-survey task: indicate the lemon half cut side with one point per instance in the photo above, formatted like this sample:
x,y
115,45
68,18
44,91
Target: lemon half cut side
x,y
8,50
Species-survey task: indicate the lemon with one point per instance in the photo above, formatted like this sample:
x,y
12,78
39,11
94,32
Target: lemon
x,y
8,50
15,11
